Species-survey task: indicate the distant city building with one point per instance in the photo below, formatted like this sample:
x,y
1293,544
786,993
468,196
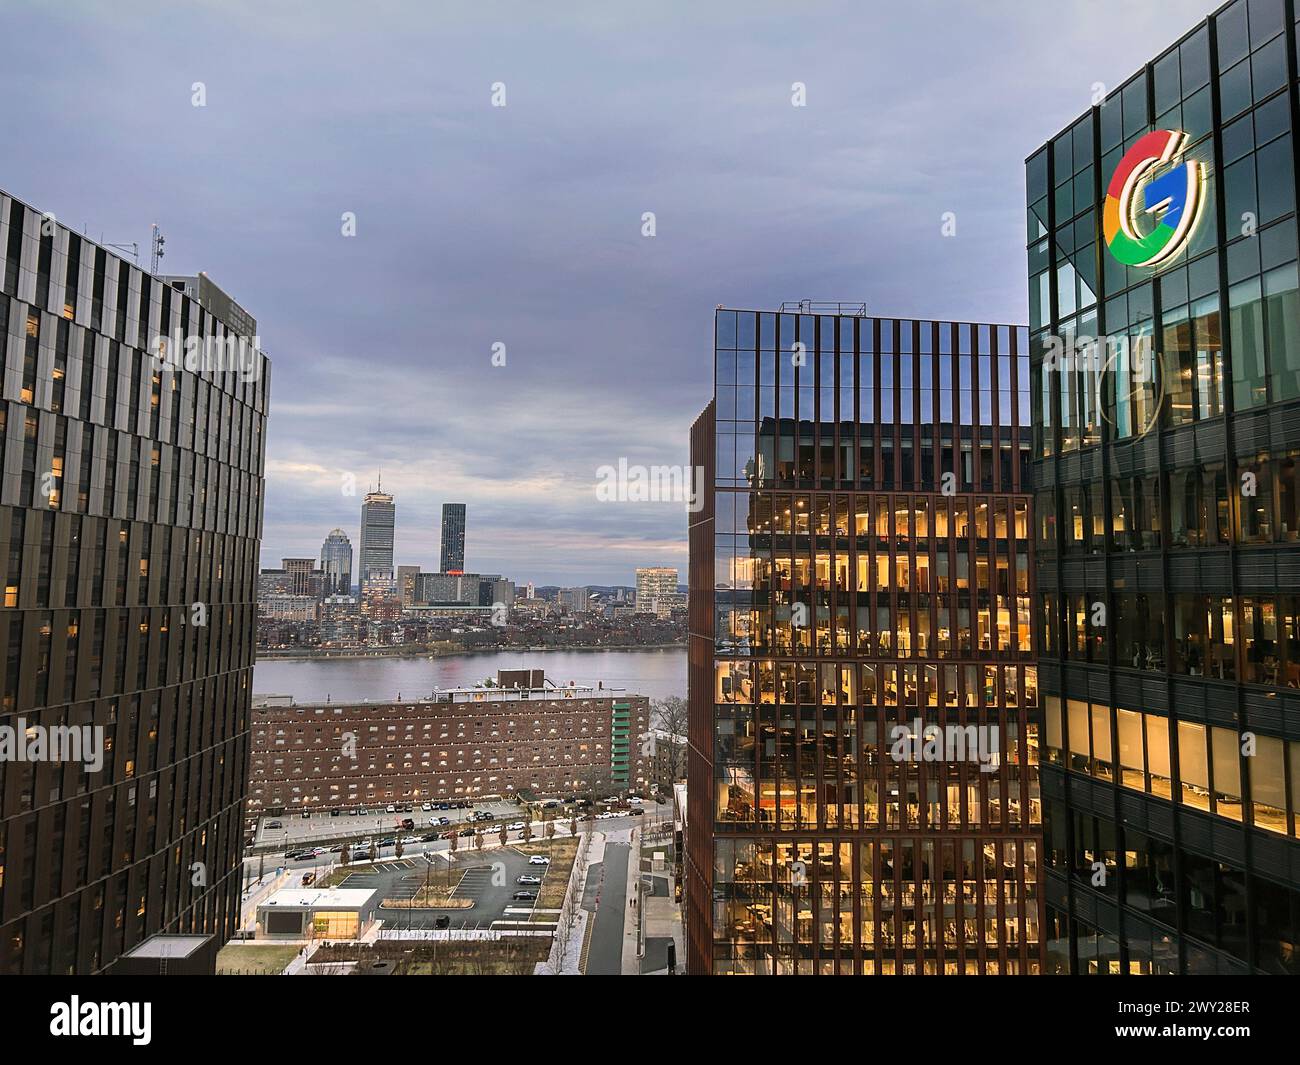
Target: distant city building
x,y
407,578
464,742
336,563
502,591
273,582
289,607
300,574
453,538
339,624
654,582
574,600
532,592
378,518
379,598
469,589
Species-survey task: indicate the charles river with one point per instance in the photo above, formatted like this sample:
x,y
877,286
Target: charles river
x,y
656,673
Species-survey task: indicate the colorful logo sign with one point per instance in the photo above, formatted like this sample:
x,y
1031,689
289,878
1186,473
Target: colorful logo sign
x,y
1172,200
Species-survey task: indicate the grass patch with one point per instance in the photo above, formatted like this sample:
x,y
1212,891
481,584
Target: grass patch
x,y
255,959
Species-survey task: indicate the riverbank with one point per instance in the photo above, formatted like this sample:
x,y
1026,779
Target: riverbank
x,y
346,654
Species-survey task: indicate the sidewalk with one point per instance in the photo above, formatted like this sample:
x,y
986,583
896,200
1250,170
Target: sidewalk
x,y
631,915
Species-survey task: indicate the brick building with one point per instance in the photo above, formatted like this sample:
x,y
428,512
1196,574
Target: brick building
x,y
465,742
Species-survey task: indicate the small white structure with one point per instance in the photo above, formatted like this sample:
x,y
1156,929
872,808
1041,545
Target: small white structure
x,y
316,913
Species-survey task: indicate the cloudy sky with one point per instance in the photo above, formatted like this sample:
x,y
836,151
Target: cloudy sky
x,y
522,225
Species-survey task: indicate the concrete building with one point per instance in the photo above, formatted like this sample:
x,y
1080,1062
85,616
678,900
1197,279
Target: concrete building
x,y
332,914
654,582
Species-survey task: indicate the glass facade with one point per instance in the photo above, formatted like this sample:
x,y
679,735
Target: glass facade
x,y
1166,429
864,793
130,518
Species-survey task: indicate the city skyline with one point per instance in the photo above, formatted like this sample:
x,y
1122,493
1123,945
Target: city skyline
x,y
875,149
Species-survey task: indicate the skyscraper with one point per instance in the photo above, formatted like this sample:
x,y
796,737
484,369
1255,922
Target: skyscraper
x,y
863,738
453,538
1165,359
378,518
129,603
336,562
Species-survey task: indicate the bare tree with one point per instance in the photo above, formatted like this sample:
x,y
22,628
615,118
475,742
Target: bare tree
x,y
672,715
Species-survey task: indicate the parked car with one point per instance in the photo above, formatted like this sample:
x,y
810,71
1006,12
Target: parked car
x,y
390,809
442,921
538,859
408,840
638,812
466,832
407,823
274,824
429,837
516,826
336,848
426,806
444,820
525,896
528,879
388,842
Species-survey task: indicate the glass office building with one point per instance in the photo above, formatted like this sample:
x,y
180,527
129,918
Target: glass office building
x,y
130,517
1162,223
860,609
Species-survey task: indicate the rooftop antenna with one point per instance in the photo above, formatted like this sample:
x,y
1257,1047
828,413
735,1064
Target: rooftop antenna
x,y
132,248
157,242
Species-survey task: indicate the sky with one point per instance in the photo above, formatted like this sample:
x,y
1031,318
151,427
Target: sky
x,y
479,225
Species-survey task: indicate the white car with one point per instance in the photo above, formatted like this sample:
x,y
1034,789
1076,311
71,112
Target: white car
x,y
426,806
515,826
408,840
390,809
538,859
634,800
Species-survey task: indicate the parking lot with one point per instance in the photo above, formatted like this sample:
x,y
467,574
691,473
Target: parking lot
x,y
294,829
489,881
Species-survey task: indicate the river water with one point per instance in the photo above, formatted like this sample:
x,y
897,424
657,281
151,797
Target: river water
x,y
655,673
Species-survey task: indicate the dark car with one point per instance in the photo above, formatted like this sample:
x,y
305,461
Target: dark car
x,y
407,823
636,811
429,837
388,842
525,896
442,921
467,832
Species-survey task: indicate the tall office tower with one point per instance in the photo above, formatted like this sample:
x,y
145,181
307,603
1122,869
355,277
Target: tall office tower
x,y
378,517
654,582
863,697
407,579
453,538
336,562
130,519
1164,222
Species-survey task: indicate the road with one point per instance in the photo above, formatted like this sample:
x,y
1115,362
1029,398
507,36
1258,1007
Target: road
x,y
605,954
